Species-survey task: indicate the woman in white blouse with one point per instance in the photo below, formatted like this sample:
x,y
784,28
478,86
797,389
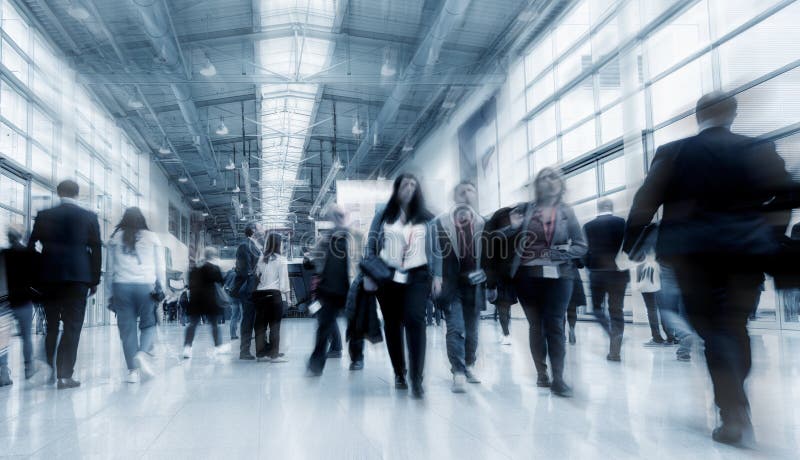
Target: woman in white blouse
x,y
272,290
134,265
402,236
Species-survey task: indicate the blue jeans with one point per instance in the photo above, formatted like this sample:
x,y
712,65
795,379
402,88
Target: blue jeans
x,y
673,313
236,317
132,303
462,318
24,317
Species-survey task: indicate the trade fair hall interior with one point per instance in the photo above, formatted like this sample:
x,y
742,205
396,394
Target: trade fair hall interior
x,y
368,229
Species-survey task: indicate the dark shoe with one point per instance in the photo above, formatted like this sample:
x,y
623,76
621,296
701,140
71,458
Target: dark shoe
x,y
357,365
400,382
727,433
64,384
614,357
334,354
247,357
543,381
313,373
559,388
417,392
234,337
470,375
30,371
654,343
684,357
572,338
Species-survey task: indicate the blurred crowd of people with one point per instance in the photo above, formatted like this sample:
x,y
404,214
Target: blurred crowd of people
x,y
699,263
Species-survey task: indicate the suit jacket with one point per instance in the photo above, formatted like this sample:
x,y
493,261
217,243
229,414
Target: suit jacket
x,y
203,290
446,249
498,257
355,250
71,245
713,187
604,236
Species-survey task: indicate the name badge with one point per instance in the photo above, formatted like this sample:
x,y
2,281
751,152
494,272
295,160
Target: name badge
x,y
550,271
400,277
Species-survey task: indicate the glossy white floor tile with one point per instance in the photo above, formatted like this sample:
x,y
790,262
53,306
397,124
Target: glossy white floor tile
x,y
648,406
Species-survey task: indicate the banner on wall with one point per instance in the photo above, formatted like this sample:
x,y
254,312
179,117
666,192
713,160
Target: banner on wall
x,y
478,159
359,198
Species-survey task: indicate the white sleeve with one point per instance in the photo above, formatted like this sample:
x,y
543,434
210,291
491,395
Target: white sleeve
x,y
284,278
160,261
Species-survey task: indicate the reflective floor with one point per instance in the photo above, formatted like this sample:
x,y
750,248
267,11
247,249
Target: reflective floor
x,y
649,406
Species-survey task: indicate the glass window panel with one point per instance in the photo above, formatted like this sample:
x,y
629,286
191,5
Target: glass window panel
x,y
98,174
598,9
572,27
680,129
13,106
15,26
539,58
680,90
44,57
516,80
18,66
678,39
613,173
577,104
727,15
541,90
611,124
85,192
769,106
581,186
13,144
651,9
609,81
84,165
12,193
572,65
578,141
41,198
767,46
546,155
42,129
41,162
605,40
542,127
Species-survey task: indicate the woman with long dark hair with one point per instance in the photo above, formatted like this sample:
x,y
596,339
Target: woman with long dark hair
x,y
402,236
135,264
547,239
270,294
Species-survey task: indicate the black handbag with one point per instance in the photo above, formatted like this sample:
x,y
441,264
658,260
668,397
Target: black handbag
x,y
374,267
157,294
783,266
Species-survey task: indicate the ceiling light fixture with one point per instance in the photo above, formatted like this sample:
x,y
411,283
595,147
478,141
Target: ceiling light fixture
x,y
205,214
135,103
448,105
388,69
236,189
221,128
230,166
183,179
244,218
164,149
196,199
208,69
357,130
77,11
407,147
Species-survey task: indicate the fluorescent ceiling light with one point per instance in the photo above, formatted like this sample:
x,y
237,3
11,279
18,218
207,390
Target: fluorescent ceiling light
x,y
135,103
221,128
230,166
208,69
164,149
183,179
196,199
77,11
236,189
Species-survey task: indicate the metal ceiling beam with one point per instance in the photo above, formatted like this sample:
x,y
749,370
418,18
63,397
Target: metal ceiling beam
x,y
424,58
202,103
51,17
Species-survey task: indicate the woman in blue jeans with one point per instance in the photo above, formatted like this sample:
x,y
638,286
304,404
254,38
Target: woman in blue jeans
x,y
19,279
135,264
547,239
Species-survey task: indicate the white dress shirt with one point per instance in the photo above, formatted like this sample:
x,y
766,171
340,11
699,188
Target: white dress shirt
x,y
273,275
404,245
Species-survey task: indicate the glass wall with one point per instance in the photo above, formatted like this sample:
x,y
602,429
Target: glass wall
x,y
51,128
612,80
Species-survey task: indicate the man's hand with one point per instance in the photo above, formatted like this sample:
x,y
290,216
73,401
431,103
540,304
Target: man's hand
x,y
436,288
370,285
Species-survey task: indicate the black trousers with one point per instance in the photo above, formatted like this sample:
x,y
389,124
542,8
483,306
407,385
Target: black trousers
x,y
719,294
65,303
504,315
326,328
544,302
403,308
194,321
248,325
653,309
269,312
609,284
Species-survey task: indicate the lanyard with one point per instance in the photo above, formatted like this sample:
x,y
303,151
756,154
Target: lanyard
x,y
408,248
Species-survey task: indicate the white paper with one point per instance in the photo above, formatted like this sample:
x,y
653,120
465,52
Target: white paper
x,y
314,307
400,277
550,271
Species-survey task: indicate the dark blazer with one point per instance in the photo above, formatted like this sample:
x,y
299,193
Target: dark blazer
x,y
71,245
447,252
604,236
498,257
203,289
713,187
247,255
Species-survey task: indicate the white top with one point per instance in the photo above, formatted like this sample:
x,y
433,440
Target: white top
x,y
143,266
404,245
273,275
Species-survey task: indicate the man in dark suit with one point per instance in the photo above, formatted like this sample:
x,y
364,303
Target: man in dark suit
x,y
604,236
71,256
715,234
247,255
460,244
